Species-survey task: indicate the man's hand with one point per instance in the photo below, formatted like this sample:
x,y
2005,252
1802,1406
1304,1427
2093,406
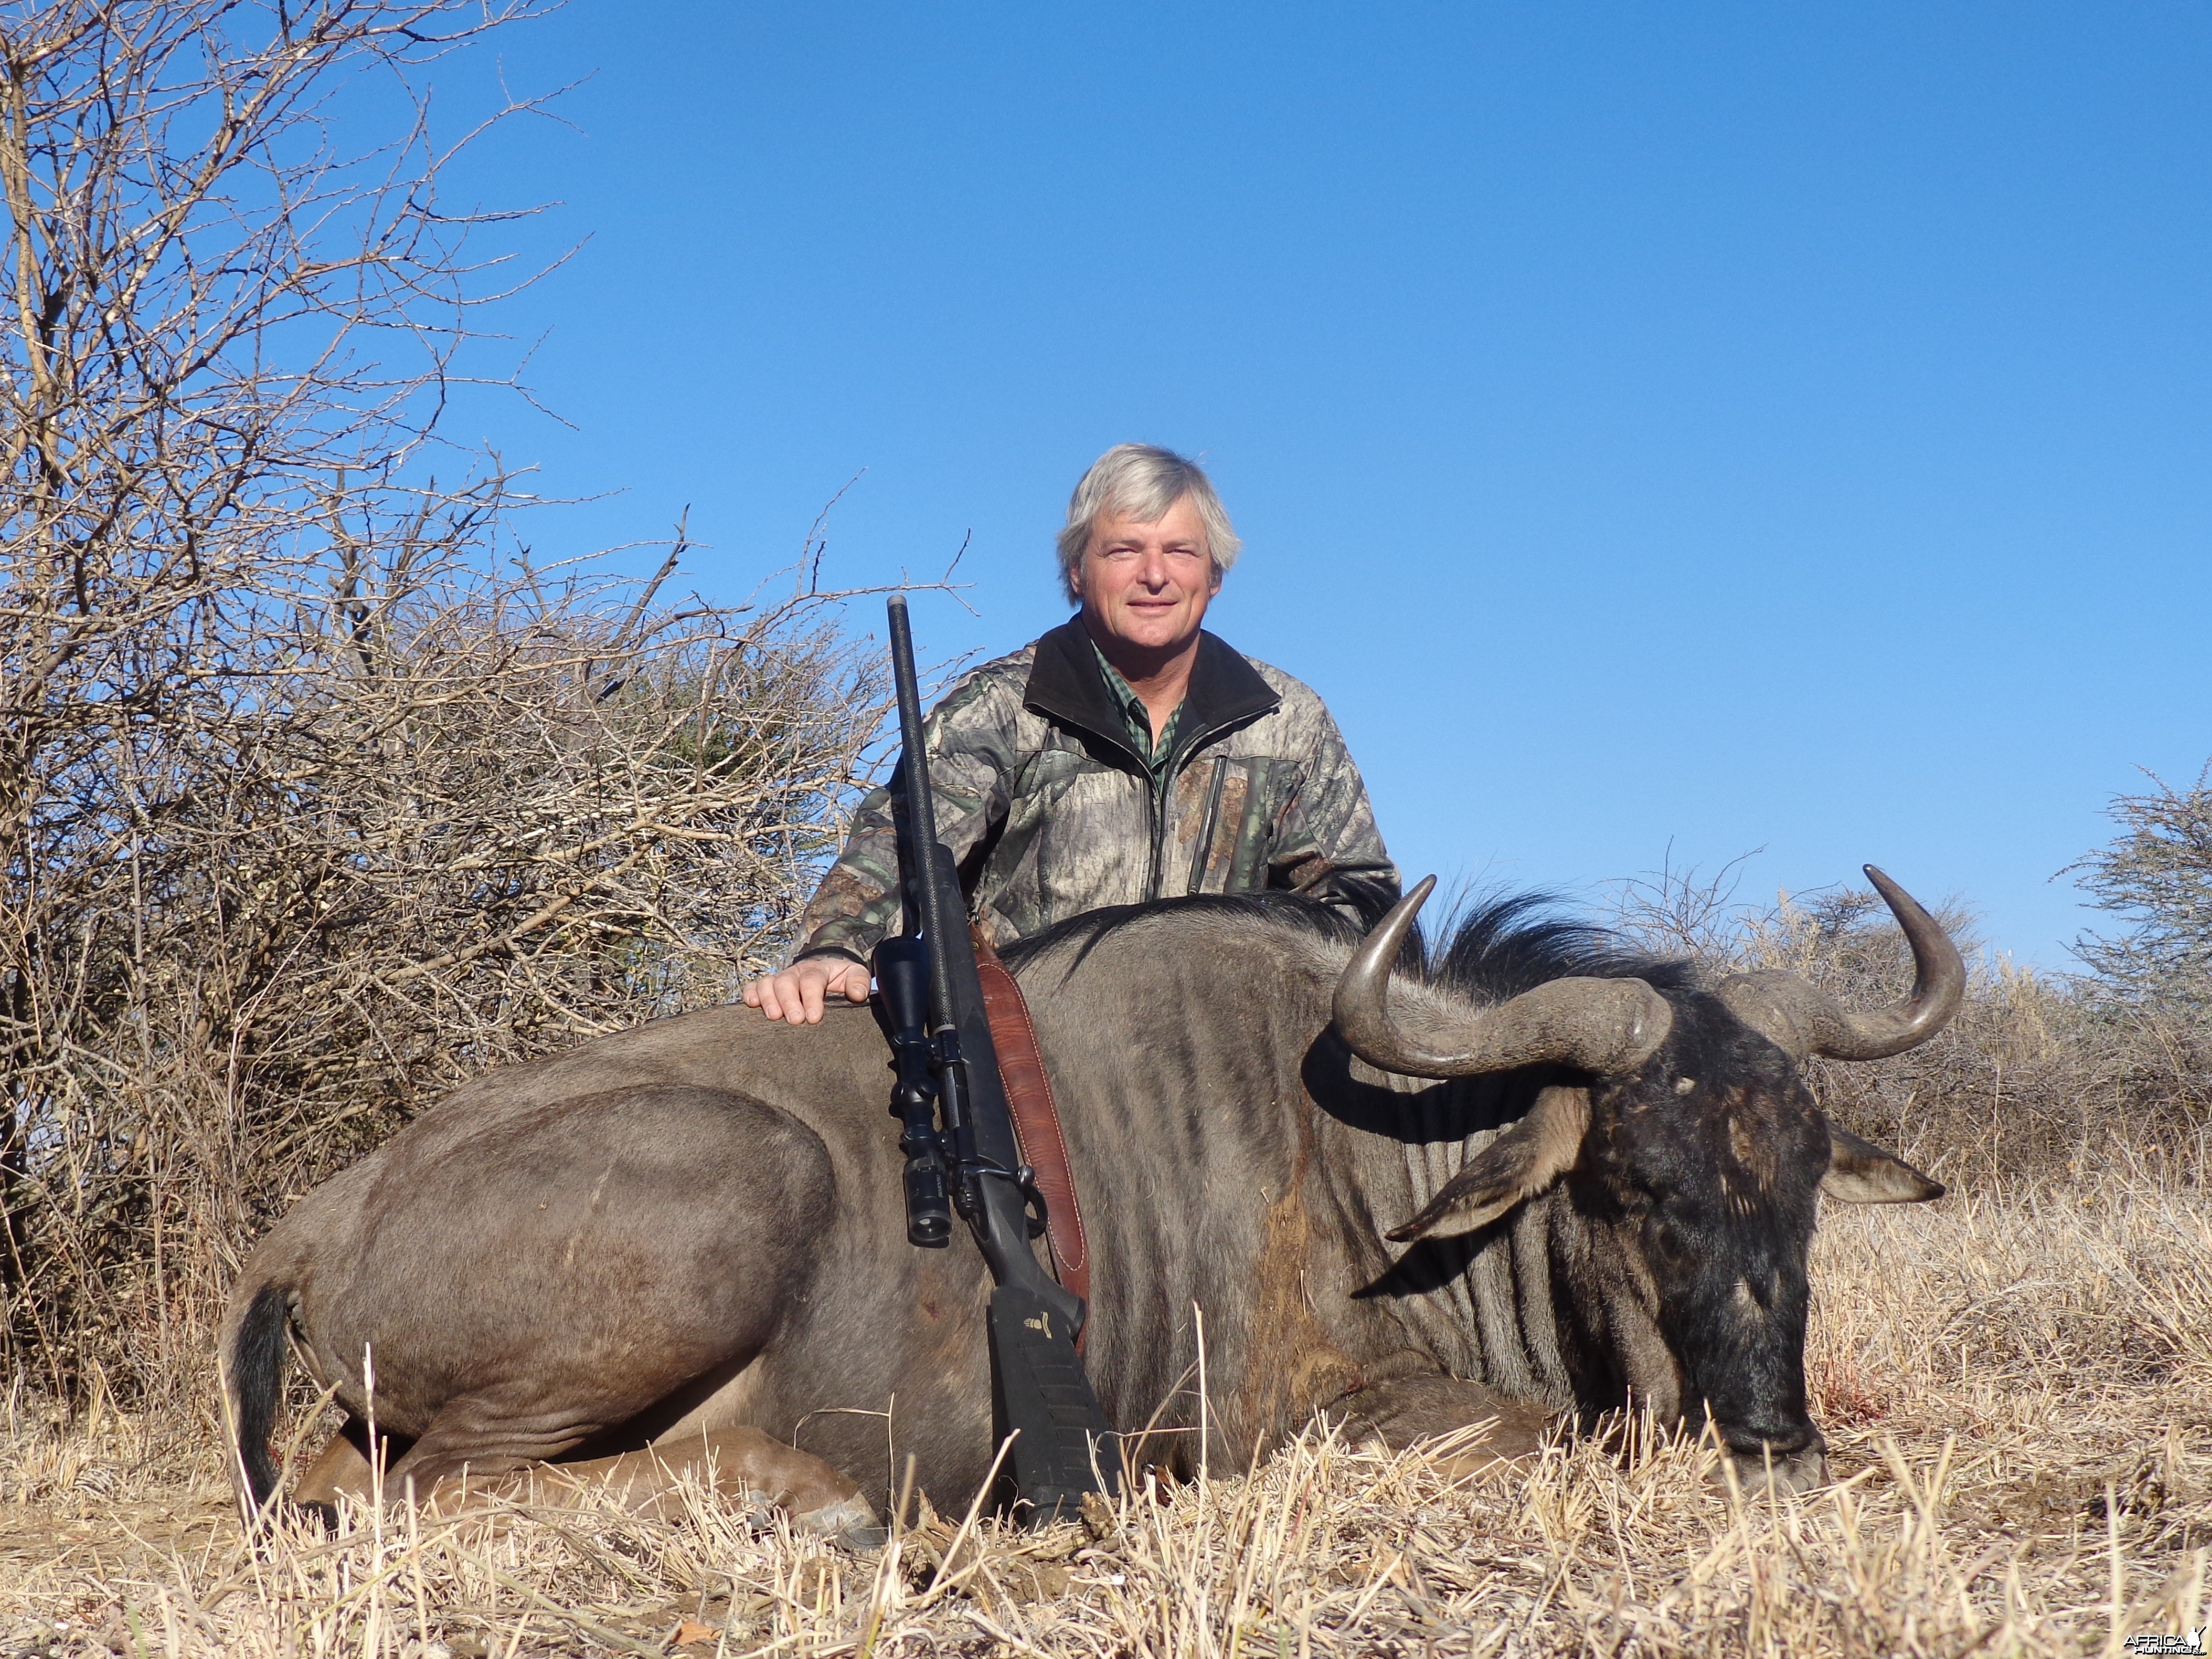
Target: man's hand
x,y
799,992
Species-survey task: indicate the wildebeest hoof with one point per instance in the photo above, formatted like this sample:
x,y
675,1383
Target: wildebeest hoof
x,y
265,1524
846,1520
1479,1463
1460,1428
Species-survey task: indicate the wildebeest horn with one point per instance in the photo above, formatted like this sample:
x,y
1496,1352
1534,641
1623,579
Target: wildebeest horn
x,y
1802,1019
1604,1026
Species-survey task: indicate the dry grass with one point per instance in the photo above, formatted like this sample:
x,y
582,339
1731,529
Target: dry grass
x,y
2016,1386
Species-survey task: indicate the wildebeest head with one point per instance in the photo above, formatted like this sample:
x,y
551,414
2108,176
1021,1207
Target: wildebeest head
x,y
1691,1153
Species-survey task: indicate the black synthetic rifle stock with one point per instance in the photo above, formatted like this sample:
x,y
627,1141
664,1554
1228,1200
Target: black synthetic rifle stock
x,y
962,1154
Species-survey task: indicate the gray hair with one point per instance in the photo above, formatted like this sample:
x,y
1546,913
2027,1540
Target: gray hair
x,y
1142,482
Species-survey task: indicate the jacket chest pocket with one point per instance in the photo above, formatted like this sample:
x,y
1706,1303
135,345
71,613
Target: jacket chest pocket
x,y
1227,810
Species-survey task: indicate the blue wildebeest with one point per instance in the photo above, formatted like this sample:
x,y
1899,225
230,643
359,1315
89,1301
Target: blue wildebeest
x,y
1606,1172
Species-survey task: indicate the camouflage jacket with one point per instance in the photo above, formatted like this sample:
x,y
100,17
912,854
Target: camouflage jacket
x,y
1050,810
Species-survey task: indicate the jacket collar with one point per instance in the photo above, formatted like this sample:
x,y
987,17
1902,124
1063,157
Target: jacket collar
x,y
1065,685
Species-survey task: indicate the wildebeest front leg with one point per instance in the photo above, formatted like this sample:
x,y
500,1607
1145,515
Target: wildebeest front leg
x,y
735,1463
1404,1411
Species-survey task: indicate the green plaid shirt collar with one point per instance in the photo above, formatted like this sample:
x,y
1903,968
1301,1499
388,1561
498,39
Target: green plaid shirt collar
x,y
1138,718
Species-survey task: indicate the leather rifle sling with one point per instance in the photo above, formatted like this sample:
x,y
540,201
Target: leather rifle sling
x,y
1036,1119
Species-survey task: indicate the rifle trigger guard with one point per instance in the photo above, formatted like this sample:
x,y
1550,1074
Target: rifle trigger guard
x,y
1032,1201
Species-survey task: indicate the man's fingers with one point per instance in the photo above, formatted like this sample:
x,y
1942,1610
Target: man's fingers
x,y
779,996
801,994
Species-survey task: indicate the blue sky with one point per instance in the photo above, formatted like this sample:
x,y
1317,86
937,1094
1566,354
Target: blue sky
x,y
1658,432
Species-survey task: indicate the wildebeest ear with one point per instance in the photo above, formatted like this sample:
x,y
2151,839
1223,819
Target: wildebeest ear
x,y
1860,1172
1517,1165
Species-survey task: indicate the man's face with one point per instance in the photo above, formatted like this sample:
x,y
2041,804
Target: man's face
x,y
1146,585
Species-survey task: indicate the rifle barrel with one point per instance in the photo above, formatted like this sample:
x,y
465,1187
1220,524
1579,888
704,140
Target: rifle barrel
x,y
1062,1445
921,814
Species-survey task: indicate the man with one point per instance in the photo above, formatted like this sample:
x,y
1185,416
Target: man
x,y
1126,755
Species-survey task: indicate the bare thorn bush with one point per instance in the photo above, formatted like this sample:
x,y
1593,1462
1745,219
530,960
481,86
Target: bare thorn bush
x,y
315,796
2156,878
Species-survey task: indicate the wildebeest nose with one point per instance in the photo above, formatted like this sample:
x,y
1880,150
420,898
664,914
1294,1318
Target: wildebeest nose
x,y
1779,1440
1761,1469
1790,1458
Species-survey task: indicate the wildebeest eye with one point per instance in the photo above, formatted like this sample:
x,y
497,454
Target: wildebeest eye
x,y
1667,1246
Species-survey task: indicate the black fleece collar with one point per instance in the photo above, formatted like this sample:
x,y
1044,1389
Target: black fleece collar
x,y
1065,685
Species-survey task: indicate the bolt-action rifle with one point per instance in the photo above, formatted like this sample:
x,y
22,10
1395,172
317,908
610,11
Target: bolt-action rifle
x,y
962,1154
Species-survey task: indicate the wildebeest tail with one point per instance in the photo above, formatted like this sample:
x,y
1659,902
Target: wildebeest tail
x,y
257,1381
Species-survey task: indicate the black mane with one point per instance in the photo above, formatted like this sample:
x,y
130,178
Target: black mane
x,y
1508,943
1498,947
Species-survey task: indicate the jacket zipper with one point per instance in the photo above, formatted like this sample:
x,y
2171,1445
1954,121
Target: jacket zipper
x,y
1203,846
1156,800
1156,793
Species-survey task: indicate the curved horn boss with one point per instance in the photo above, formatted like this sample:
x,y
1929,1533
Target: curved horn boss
x,y
1603,1026
1800,1019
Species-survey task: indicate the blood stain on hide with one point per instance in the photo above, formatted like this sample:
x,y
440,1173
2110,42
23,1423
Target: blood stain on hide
x,y
1294,1365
